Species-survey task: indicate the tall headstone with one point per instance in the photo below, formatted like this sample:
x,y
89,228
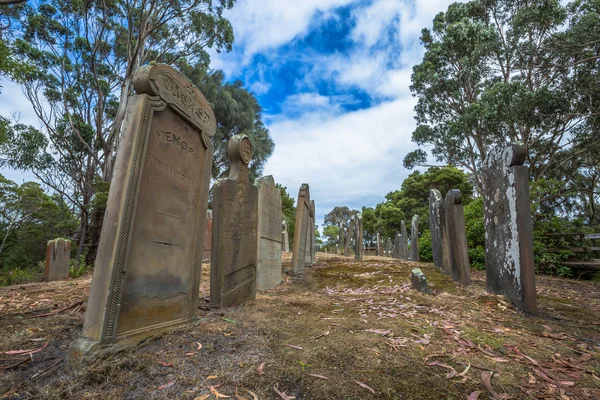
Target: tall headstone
x,y
414,239
388,247
147,270
346,242
359,242
58,260
300,251
379,246
352,233
235,227
206,254
313,238
508,229
340,243
439,236
457,237
397,252
268,268
403,249
285,237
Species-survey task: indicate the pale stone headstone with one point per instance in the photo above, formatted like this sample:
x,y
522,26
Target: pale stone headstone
x,y
403,248
414,239
268,268
439,236
346,242
457,237
58,260
359,242
285,237
206,254
352,233
379,246
388,247
301,249
313,237
508,229
235,228
147,270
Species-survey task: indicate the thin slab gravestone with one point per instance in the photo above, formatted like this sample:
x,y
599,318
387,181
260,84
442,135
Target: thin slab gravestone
x,y
388,247
58,260
414,239
352,234
379,247
300,250
268,268
396,252
206,254
313,238
147,270
235,228
403,248
359,242
457,237
285,237
508,229
439,236
346,242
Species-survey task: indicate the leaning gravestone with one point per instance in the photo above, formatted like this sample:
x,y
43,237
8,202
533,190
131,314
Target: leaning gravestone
x,y
403,249
414,239
508,231
300,251
206,254
268,268
58,260
235,225
285,238
457,237
439,236
358,244
147,270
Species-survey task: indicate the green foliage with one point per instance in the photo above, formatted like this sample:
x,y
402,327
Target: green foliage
x,y
288,207
331,234
16,276
425,248
475,229
78,268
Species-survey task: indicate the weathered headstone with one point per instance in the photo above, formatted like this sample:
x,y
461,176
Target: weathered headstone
x,y
206,254
397,250
346,242
301,252
379,246
439,236
403,248
388,247
418,281
508,229
313,238
268,268
457,237
147,270
414,239
58,260
285,237
352,233
235,227
359,242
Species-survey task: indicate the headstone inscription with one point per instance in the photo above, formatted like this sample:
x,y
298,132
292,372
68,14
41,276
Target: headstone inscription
x,y
285,237
58,260
235,228
300,250
457,237
403,249
414,239
439,235
147,270
508,230
268,268
359,242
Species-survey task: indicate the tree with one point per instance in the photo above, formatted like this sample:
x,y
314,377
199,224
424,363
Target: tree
x,y
331,234
340,216
288,208
83,56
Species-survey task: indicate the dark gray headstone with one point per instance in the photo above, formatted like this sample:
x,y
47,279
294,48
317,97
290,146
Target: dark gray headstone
x,y
508,229
379,246
358,243
403,248
437,225
457,237
396,252
414,239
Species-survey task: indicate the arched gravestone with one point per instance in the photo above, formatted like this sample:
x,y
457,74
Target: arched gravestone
x,y
300,251
268,270
414,239
457,237
439,236
285,237
508,231
235,230
147,270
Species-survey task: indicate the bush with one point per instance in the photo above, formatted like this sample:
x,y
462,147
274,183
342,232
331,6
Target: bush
x,y
425,248
17,276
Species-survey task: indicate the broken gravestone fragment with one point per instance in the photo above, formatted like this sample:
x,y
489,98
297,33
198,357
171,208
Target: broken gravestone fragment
x,y
419,281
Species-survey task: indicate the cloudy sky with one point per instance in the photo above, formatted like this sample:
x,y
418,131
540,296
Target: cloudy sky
x,y
333,79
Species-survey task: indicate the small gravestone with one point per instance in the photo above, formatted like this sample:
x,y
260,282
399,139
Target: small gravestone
x,y
147,270
419,281
414,239
379,246
439,236
403,248
457,237
285,237
508,230
358,244
300,251
206,254
346,242
58,260
268,268
235,223
388,247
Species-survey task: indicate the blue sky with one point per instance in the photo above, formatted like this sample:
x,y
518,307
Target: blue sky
x,y
333,79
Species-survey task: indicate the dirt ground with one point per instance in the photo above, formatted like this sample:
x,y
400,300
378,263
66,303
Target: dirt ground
x,y
344,329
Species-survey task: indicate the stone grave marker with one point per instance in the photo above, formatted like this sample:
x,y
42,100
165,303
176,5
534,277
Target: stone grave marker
x,y
268,268
285,237
396,252
358,241
379,246
346,242
313,238
147,270
414,239
235,228
439,236
509,235
301,251
388,247
206,254
403,248
457,237
58,260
